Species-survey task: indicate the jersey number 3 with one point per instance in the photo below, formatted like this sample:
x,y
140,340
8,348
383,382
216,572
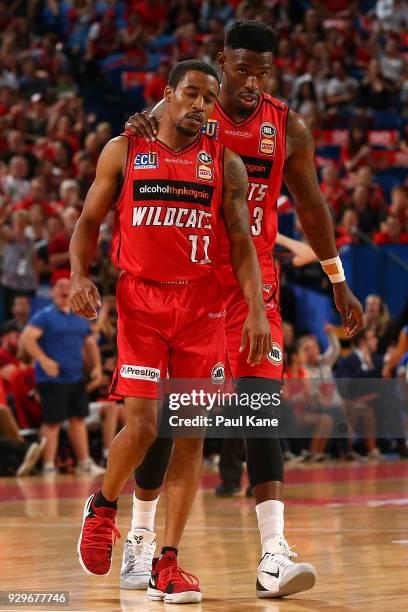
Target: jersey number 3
x,y
256,228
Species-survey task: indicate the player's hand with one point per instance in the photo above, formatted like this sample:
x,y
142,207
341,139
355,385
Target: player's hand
x,y
50,367
349,308
256,329
85,298
143,124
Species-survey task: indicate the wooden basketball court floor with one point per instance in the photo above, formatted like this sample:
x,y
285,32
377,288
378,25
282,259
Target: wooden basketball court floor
x,y
350,521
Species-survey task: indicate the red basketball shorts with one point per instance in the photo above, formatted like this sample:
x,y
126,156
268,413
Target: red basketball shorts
x,y
174,328
236,313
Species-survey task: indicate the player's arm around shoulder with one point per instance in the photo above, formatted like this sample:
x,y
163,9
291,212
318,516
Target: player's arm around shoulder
x,y
85,298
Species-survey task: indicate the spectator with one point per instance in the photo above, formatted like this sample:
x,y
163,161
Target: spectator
x,y
298,393
362,364
399,203
392,62
17,457
366,395
332,189
323,387
341,89
288,332
36,196
56,339
398,354
85,172
69,196
305,103
375,90
346,232
364,178
391,232
14,183
20,310
19,263
58,246
367,217
104,131
54,226
153,92
376,315
358,152
9,363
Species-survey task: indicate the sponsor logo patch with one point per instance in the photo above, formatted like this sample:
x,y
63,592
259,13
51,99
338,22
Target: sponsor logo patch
x,y
146,161
257,167
211,129
140,372
267,288
218,374
275,356
205,167
173,191
267,141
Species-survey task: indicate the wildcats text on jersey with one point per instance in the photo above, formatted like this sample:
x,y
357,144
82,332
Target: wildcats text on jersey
x,y
168,216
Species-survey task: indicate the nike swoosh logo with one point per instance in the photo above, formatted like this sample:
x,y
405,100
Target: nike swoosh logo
x,y
274,574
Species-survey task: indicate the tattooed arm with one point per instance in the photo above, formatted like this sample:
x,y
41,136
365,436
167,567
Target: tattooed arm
x,y
243,257
315,218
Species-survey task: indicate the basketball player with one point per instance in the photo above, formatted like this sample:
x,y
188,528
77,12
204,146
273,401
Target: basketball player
x,y
168,215
274,143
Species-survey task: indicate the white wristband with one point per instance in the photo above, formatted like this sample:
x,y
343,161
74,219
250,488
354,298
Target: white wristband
x,y
334,269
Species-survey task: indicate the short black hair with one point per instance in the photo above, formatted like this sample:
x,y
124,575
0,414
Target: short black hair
x,y
251,35
180,70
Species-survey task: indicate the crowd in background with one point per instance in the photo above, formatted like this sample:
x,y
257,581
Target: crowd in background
x,y
68,70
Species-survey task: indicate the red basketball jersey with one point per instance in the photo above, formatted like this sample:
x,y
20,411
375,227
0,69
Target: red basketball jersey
x,y
167,217
260,140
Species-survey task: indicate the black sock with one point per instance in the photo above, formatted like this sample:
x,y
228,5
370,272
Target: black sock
x,y
100,500
169,549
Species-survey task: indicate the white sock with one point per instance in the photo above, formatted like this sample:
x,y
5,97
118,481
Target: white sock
x,y
143,513
85,462
270,522
105,453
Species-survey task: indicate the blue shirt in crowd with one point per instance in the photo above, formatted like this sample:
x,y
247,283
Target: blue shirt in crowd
x,y
62,340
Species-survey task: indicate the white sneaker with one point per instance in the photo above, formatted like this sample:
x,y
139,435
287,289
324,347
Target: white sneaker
x,y
376,455
278,576
49,469
90,467
137,558
31,458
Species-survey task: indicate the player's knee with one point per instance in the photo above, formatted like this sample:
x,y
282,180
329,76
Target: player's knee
x,y
141,431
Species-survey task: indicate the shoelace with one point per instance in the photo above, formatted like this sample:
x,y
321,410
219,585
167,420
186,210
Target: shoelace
x,y
138,560
97,533
177,575
286,551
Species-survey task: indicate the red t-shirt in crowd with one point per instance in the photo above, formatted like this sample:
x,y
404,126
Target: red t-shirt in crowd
x,y
28,202
384,238
6,359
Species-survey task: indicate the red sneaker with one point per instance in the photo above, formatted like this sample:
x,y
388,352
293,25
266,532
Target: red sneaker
x,y
95,540
170,583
